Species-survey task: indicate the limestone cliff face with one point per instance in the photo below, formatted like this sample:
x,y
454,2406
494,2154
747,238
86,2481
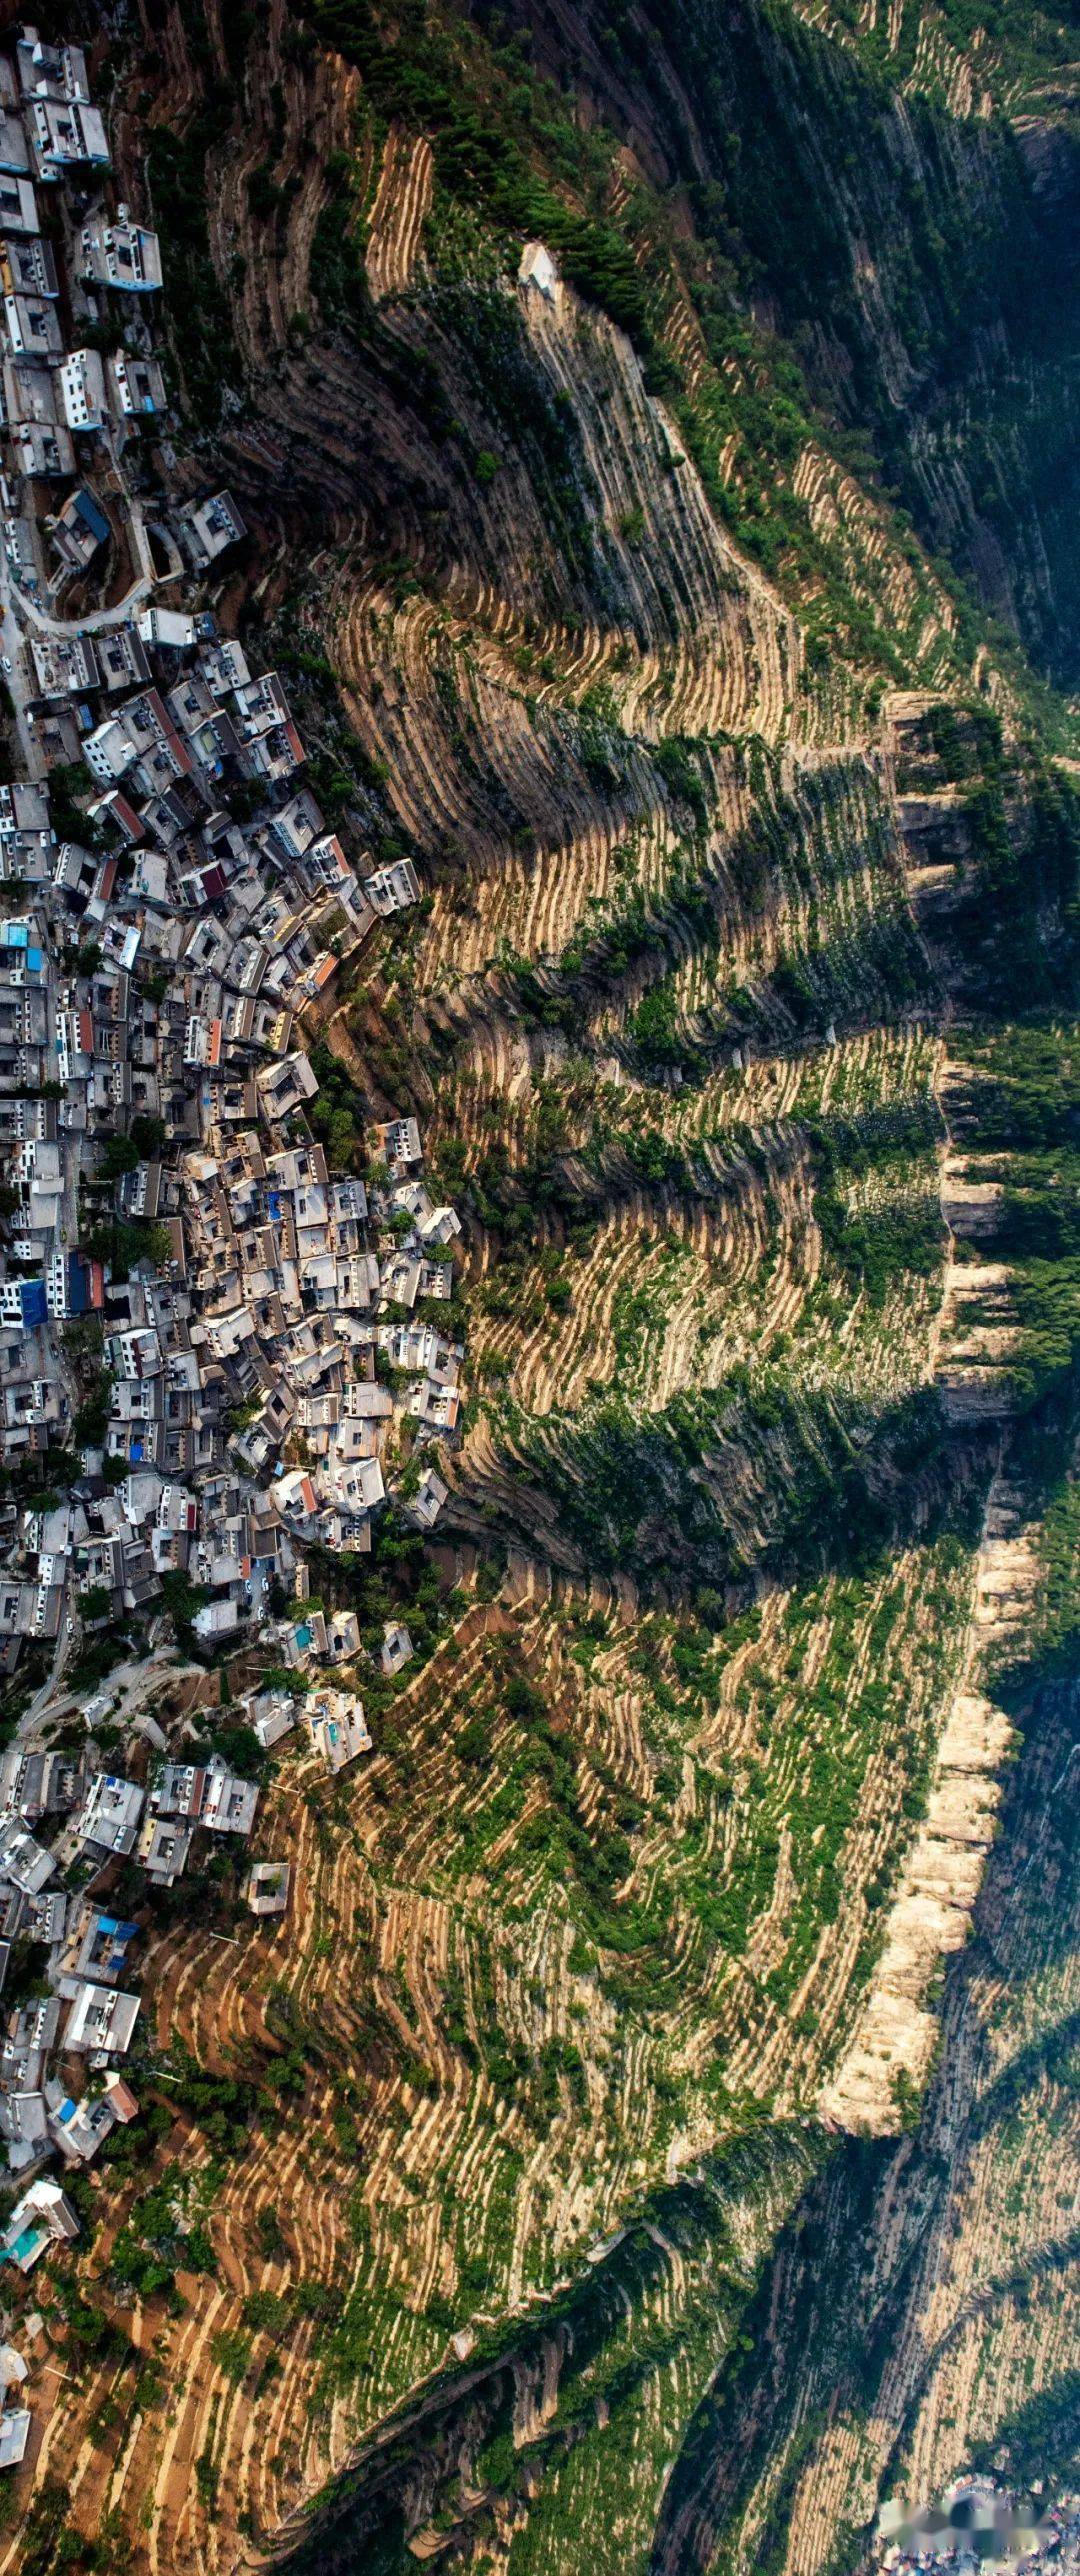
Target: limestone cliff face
x,y
921,2314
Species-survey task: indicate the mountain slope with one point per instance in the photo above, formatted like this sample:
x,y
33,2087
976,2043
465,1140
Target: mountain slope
x,y
694,632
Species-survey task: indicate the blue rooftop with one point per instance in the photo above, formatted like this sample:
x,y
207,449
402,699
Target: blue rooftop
x,y
94,518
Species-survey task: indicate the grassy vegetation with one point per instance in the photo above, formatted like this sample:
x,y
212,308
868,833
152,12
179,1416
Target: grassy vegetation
x,y
511,162
608,1860
791,190
641,2337
415,72
1018,1098
199,320
1040,2440
773,210
1013,52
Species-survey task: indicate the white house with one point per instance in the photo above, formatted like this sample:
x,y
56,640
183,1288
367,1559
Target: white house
x,y
538,270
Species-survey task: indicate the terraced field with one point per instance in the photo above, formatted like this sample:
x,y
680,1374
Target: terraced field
x,y
500,2180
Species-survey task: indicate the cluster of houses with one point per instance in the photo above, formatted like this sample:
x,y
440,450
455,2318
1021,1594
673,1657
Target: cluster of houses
x,y
262,1321
216,1349
157,970
64,1827
71,1835
63,1824
67,410
290,1299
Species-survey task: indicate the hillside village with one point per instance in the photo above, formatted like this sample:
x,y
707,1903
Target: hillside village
x,y
212,1339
